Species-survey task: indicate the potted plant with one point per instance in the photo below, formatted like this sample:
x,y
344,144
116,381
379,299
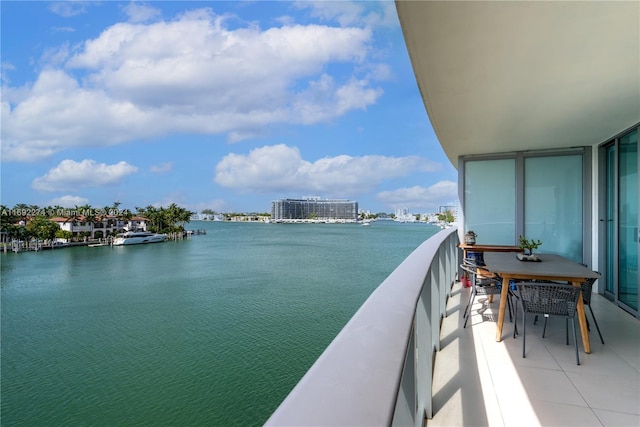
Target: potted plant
x,y
528,246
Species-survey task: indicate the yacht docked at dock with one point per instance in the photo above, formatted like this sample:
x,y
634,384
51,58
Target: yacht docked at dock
x,y
138,237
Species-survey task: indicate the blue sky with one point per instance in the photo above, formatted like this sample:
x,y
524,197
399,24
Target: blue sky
x,y
221,105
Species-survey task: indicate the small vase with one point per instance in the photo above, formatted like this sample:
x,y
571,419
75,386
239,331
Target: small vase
x,y
527,257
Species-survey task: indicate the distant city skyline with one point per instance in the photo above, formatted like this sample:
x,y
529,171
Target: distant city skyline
x,y
214,105
30,210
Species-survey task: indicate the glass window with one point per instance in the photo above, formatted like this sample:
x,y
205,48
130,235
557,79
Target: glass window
x,y
553,204
490,200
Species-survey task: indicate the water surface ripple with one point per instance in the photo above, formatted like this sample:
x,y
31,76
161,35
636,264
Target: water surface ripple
x,y
214,330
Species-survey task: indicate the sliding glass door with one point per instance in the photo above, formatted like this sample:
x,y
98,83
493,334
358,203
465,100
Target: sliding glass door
x,y
620,223
610,252
628,213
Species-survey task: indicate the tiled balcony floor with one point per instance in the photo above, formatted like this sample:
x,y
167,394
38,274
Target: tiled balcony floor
x,y
481,382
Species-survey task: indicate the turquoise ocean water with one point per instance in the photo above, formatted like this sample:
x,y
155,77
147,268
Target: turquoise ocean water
x,y
213,330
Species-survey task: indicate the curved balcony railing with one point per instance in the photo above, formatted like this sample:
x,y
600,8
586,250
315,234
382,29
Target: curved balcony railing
x,y
378,369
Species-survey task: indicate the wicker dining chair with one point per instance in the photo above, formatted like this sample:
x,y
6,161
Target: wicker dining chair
x,y
480,285
587,288
548,299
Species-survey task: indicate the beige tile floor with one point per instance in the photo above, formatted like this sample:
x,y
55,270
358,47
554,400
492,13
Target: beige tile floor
x,y
481,382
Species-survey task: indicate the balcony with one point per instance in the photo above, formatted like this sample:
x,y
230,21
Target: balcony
x,y
478,381
378,370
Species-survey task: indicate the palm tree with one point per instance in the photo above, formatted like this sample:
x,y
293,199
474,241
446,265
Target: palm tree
x,y
151,213
161,215
185,216
73,215
8,221
172,213
89,217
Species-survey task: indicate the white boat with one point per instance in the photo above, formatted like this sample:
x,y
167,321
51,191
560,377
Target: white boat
x,y
138,237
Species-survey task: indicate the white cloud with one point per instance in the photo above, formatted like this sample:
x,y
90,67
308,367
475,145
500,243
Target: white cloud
x,y
353,95
162,167
286,20
140,12
191,74
68,201
381,72
346,13
4,73
71,175
351,13
418,197
68,9
59,113
280,168
55,57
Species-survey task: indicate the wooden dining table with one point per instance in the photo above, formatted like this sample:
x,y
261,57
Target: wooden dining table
x,y
488,248
550,267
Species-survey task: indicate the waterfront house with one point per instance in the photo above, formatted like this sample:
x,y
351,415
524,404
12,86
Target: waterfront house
x,y
100,227
135,223
75,227
537,104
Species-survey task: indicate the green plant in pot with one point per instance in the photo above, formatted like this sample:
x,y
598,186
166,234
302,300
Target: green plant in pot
x,y
528,245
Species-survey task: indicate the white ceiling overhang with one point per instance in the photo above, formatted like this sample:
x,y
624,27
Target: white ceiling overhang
x,y
510,76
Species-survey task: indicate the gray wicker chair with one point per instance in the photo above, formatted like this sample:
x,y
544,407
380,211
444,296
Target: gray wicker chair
x,y
587,288
548,299
479,286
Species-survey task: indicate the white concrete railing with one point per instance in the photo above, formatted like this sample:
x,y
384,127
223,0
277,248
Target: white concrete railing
x,y
378,369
